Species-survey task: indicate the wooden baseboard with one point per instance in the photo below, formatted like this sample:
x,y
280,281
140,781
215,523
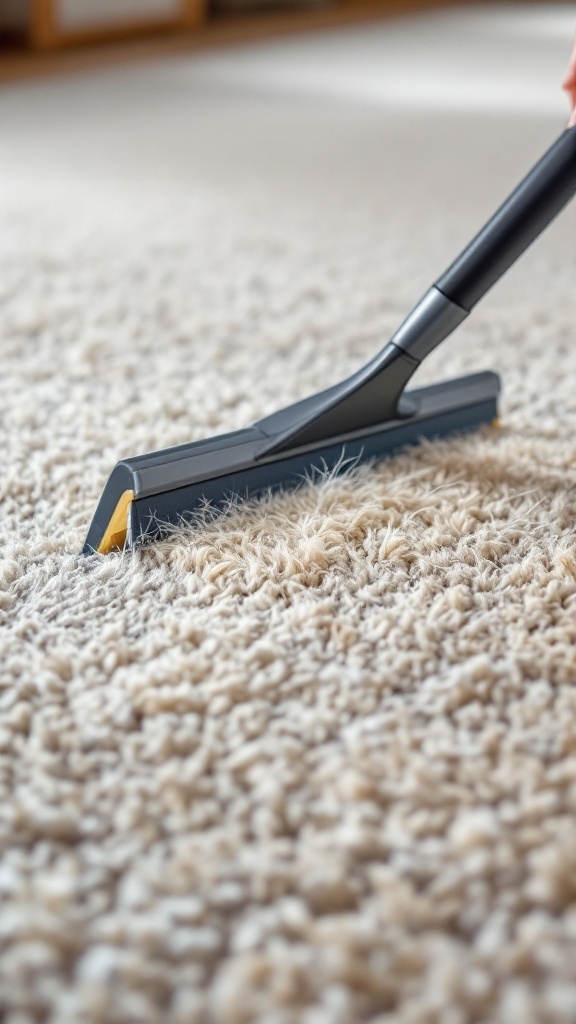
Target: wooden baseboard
x,y
218,30
47,34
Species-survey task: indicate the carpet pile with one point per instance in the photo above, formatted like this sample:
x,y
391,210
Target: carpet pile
x,y
313,762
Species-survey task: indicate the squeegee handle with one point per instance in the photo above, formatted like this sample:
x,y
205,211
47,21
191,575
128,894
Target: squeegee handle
x,y
532,206
375,393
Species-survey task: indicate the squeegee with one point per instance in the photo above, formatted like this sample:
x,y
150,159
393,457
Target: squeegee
x,y
365,417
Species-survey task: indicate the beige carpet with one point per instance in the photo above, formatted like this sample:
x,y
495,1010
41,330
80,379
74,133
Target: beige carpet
x,y
316,762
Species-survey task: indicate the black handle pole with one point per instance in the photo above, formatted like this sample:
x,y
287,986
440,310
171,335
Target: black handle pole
x,y
375,392
534,203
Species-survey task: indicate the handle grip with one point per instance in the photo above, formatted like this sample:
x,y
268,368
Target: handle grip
x,y
532,206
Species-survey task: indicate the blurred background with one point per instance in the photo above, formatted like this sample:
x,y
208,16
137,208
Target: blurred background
x,y
41,25
250,194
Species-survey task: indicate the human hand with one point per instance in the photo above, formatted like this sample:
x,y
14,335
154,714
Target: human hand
x,y
569,86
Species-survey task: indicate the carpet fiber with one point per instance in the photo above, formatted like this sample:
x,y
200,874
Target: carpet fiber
x,y
313,762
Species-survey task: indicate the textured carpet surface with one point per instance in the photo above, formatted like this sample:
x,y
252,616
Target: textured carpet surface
x,y
314,762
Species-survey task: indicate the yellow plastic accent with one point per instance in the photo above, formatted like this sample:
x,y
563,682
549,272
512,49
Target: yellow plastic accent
x,y
115,536
496,423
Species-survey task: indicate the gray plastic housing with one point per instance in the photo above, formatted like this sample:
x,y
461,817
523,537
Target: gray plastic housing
x,y
171,486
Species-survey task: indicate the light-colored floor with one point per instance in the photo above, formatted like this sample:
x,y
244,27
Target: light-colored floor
x,y
313,763
504,59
